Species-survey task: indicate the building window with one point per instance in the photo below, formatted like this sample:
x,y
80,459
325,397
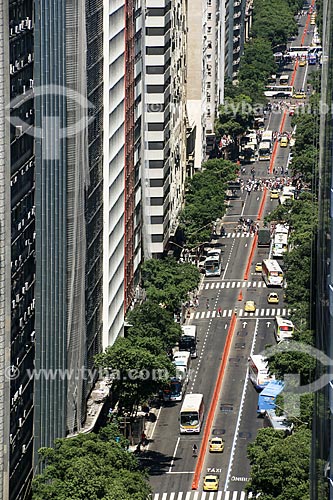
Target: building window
x,y
209,3
209,16
155,31
155,127
155,145
156,182
157,201
156,219
208,98
157,238
209,30
156,163
155,89
155,70
208,85
208,112
155,51
155,11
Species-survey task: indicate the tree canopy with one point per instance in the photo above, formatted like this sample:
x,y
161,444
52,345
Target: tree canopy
x,y
280,465
167,282
93,466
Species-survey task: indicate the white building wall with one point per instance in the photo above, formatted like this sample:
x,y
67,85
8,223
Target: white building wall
x,y
113,237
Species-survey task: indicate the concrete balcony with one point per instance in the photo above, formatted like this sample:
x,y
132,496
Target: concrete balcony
x,y
237,27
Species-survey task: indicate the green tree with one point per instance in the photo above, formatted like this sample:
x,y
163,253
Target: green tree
x,y
168,282
235,116
137,369
153,321
280,465
89,466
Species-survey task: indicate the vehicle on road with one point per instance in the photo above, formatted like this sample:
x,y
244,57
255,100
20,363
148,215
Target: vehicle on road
x,y
259,372
284,79
264,238
288,193
272,273
213,264
192,414
201,263
250,306
273,298
216,445
258,267
264,151
280,241
312,59
302,62
284,142
211,482
175,389
283,329
188,340
267,397
279,91
298,51
299,94
274,195
292,110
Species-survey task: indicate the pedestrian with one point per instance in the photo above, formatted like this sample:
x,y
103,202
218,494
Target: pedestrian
x,y
207,304
219,311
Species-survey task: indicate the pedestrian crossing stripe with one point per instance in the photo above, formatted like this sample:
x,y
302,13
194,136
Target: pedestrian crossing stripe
x,y
200,495
227,313
211,285
238,234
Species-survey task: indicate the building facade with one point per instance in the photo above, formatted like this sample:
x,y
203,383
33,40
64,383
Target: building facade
x,y
164,131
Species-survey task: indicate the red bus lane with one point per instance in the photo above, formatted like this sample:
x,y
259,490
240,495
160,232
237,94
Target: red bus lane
x,y
212,408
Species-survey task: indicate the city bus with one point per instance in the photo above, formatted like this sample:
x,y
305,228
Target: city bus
x,y
258,371
264,151
283,328
279,91
298,51
272,273
312,59
280,245
213,264
175,389
191,414
188,340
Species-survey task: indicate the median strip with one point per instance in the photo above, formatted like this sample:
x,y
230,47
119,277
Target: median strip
x,y
212,409
249,262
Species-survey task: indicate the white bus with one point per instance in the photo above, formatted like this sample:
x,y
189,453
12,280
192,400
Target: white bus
x,y
258,371
213,264
280,245
279,91
191,414
297,51
272,273
264,151
283,328
267,136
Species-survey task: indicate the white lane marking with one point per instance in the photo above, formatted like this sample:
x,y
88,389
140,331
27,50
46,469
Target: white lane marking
x,y
228,284
224,313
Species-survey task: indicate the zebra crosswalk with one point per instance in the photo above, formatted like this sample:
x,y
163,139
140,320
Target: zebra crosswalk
x,y
260,312
201,495
238,234
210,285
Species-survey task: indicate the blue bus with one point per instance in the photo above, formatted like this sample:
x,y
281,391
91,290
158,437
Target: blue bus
x,y
312,59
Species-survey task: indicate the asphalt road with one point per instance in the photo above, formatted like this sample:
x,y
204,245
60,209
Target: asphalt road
x,y
169,458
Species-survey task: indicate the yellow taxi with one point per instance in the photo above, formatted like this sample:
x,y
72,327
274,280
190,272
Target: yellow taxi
x,y
250,306
216,445
302,62
273,298
258,267
211,482
284,142
275,194
313,19
299,94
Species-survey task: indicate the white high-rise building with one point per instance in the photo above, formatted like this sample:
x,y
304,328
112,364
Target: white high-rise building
x,y
113,170
164,130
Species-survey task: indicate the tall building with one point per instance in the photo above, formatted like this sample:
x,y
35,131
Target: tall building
x,y
321,476
68,78
18,288
164,163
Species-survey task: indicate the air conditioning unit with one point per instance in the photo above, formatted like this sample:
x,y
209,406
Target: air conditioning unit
x,y
23,89
16,29
24,448
17,298
13,304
